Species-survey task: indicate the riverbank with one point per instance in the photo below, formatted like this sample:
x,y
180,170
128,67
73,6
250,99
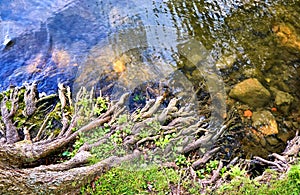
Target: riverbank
x,y
93,145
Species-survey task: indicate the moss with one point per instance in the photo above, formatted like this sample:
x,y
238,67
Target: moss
x,y
125,180
8,105
289,185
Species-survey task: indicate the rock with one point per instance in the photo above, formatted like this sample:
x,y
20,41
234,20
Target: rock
x,y
61,58
251,92
265,122
119,65
284,135
189,66
273,141
263,142
253,73
282,99
226,62
287,35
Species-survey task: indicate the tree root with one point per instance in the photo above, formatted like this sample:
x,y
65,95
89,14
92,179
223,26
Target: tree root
x,y
206,157
282,162
166,128
52,180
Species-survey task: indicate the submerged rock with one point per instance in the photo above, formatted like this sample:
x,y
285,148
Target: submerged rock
x,y
226,62
283,100
251,92
265,122
273,141
287,35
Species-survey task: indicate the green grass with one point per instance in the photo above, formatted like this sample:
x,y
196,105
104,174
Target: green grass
x,y
155,180
130,181
289,185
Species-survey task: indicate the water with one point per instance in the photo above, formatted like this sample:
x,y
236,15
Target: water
x,y
79,42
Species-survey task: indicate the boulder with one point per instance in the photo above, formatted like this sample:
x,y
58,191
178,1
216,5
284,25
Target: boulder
x,y
251,92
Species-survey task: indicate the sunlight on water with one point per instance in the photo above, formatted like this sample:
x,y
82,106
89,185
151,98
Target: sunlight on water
x,y
180,43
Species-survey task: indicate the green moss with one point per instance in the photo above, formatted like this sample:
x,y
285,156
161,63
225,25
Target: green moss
x,y
289,185
8,105
125,180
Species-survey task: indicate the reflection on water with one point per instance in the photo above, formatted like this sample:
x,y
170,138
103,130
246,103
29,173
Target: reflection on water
x,y
243,28
77,42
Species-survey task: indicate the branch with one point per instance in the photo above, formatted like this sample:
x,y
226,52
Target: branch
x,y
12,135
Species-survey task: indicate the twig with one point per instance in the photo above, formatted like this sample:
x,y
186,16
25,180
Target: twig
x,y
41,130
154,108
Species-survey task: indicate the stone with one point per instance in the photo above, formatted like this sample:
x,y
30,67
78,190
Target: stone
x,y
287,35
265,122
251,92
254,73
273,141
283,100
226,62
284,135
263,142
119,65
61,58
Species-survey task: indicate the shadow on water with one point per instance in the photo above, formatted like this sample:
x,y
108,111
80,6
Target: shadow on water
x,y
81,43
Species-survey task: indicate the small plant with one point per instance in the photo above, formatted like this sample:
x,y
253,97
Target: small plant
x,y
8,105
144,133
182,161
101,105
236,171
117,137
122,119
223,171
163,141
201,173
155,127
78,143
212,165
138,97
102,151
120,134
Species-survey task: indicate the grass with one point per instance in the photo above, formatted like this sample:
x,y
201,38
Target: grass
x,y
156,180
289,185
133,181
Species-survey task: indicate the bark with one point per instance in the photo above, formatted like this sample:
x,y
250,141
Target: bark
x,y
56,179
